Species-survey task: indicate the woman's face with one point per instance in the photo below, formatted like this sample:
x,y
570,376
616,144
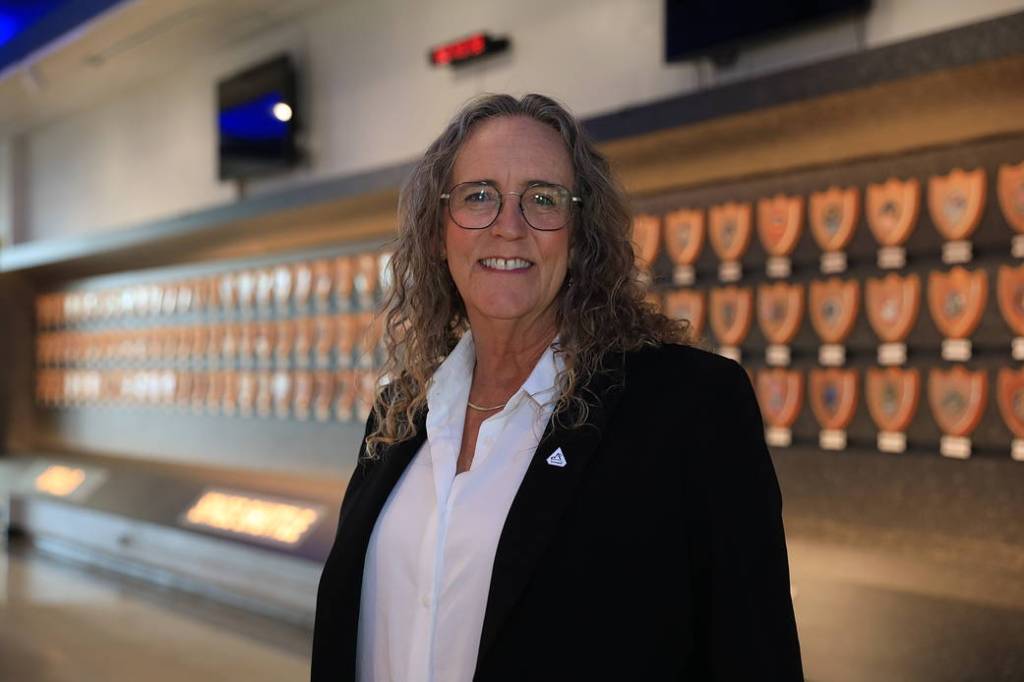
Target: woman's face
x,y
511,152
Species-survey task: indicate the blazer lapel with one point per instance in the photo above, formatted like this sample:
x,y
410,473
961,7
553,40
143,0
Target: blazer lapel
x,y
541,501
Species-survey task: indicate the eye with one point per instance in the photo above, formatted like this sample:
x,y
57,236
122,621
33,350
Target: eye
x,y
545,197
478,195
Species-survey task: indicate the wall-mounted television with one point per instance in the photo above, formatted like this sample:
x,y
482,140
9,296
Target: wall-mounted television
x,y
257,119
695,28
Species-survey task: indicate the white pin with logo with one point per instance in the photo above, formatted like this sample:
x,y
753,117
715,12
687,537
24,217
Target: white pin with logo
x,y
557,459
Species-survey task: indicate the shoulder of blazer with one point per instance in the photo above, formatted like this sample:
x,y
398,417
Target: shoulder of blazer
x,y
683,366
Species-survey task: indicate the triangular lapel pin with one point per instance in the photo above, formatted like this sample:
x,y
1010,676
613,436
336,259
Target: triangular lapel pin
x,y
557,459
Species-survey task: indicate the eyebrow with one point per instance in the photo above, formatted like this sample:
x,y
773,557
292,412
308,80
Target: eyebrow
x,y
532,181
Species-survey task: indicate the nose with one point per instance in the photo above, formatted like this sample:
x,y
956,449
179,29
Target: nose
x,y
510,223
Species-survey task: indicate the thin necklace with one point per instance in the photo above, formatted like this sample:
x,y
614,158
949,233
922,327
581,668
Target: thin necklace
x,y
481,408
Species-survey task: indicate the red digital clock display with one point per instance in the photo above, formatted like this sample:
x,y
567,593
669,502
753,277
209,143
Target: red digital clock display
x,y
467,49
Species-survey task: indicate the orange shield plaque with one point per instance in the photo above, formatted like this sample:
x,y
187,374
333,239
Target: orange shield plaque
x,y
893,303
834,305
779,223
1010,292
687,304
955,202
646,235
780,307
729,230
957,397
344,278
833,215
366,277
892,210
892,396
1011,194
956,300
1010,395
346,390
780,393
833,396
684,235
730,314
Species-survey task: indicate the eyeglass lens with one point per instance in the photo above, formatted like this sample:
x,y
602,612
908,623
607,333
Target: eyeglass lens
x,y
475,205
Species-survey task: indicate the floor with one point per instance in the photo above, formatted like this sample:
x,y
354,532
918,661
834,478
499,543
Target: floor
x,y
60,623
865,615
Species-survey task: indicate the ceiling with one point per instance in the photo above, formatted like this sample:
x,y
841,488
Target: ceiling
x,y
133,42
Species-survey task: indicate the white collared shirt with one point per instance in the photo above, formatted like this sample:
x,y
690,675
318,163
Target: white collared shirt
x,y
428,565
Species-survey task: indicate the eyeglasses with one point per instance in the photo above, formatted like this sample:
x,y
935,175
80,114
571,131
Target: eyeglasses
x,y
544,206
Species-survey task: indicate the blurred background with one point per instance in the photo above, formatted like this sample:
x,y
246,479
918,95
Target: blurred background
x,y
196,204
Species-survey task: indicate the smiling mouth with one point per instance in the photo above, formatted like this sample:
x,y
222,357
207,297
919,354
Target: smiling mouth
x,y
505,264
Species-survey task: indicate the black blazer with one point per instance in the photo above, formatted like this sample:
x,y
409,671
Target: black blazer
x,y
656,553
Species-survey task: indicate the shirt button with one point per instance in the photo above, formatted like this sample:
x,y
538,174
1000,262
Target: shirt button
x,y
425,600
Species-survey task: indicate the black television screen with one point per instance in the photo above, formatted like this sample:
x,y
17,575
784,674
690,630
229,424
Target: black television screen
x,y
257,118
700,27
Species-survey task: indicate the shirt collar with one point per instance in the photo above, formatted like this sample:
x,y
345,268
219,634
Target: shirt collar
x,y
449,388
541,382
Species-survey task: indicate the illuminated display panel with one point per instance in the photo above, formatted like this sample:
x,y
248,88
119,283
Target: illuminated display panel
x,y
59,480
283,523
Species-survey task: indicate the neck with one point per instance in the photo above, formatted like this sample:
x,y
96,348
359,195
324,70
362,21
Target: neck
x,y
505,357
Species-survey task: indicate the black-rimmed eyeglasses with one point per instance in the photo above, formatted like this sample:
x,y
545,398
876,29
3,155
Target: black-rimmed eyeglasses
x,y
544,206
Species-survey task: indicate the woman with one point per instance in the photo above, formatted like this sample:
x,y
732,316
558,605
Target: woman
x,y
553,486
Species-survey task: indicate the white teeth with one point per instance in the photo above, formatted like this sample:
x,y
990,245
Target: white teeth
x,y
506,263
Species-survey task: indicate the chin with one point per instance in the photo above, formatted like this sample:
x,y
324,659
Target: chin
x,y
504,308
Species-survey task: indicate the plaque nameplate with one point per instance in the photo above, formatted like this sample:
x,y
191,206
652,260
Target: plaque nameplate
x,y
1017,246
955,447
956,350
731,352
832,355
1017,346
892,441
1017,450
832,439
778,266
833,262
956,252
683,275
777,355
730,271
892,257
892,354
777,436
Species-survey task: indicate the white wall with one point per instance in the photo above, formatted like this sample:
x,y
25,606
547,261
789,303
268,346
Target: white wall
x,y
374,101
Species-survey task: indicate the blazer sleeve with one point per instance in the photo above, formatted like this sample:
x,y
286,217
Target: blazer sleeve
x,y
746,628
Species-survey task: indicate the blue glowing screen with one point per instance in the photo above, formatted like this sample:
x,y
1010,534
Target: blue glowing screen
x,y
254,120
